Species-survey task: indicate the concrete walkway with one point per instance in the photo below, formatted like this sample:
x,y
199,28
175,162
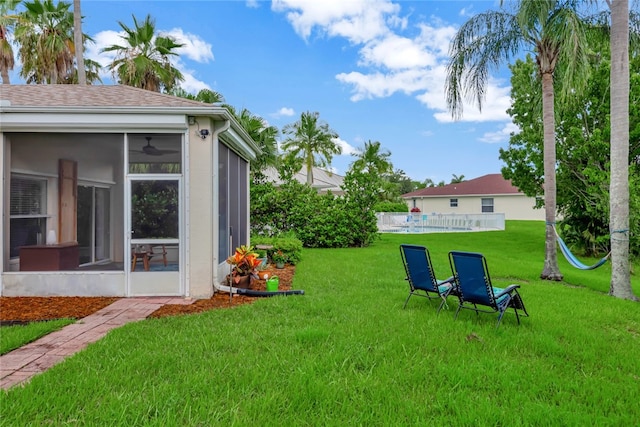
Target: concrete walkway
x,y
19,365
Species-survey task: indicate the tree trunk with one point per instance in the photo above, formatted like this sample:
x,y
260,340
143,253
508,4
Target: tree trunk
x,y
77,41
619,185
309,162
551,270
8,59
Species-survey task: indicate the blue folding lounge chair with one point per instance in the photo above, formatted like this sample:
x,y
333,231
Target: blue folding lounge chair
x,y
420,275
474,287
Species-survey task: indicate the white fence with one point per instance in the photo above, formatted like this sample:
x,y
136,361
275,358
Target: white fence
x,y
406,222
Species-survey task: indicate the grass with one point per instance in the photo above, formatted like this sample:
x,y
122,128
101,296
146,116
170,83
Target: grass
x,y
347,353
12,337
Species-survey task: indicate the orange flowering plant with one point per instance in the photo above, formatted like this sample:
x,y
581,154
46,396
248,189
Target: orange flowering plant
x,y
245,262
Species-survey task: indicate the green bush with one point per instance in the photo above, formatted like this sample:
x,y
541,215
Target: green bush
x,y
391,207
291,247
317,220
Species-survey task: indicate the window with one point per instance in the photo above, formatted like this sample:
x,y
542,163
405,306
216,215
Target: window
x,y
28,213
487,205
453,203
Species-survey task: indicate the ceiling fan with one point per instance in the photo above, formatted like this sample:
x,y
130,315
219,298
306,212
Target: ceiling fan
x,y
153,151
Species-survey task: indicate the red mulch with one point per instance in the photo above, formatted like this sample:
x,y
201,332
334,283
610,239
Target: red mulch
x,y
29,309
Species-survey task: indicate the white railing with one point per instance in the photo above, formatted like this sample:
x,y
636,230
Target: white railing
x,y
407,222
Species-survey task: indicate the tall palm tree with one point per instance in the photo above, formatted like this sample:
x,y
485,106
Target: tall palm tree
x,y
556,33
373,159
7,21
619,182
143,61
312,140
45,36
78,42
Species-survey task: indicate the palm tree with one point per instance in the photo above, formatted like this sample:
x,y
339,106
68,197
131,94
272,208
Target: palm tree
x,y
144,60
45,36
78,42
207,96
91,71
263,135
619,182
457,179
373,159
312,140
554,30
7,21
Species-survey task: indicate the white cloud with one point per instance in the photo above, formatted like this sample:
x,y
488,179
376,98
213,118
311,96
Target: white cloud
x,y
380,85
194,47
102,40
347,149
253,4
467,12
436,38
190,83
284,112
356,20
501,135
395,52
494,106
391,62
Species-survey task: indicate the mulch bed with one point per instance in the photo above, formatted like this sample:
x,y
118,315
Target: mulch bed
x,y
31,309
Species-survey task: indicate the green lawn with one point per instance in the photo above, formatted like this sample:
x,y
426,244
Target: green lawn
x,y
12,337
347,353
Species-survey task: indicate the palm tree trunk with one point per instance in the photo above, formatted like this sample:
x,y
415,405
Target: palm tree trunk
x,y
5,76
619,185
309,163
77,41
551,270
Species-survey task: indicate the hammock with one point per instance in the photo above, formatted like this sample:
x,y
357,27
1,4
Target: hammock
x,y
571,258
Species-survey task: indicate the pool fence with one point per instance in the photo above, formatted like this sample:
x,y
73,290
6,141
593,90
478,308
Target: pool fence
x,y
419,222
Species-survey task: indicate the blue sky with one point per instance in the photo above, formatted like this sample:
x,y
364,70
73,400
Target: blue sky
x,y
374,70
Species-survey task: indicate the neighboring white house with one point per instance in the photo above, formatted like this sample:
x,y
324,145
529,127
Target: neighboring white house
x,y
486,194
107,174
323,180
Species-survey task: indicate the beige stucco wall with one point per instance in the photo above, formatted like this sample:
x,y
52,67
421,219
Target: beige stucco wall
x,y
516,207
200,211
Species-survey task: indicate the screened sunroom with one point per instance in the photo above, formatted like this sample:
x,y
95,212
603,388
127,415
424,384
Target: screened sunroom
x,y
111,190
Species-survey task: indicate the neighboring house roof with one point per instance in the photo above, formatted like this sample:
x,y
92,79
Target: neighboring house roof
x,y
322,179
492,184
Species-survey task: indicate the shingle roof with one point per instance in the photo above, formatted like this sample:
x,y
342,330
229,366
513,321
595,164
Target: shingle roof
x,y
491,184
90,96
322,179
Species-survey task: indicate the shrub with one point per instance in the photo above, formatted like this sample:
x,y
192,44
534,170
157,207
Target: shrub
x,y
317,220
390,207
291,247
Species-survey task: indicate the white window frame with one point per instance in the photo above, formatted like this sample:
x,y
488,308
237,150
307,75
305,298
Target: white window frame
x,y
487,205
43,208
